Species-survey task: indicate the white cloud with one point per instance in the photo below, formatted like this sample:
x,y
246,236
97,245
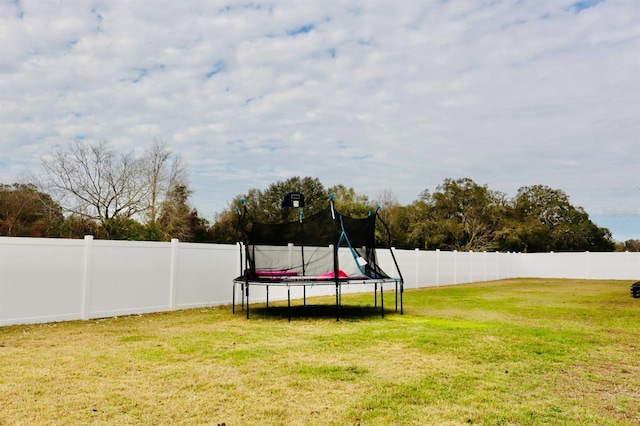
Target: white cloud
x,y
372,95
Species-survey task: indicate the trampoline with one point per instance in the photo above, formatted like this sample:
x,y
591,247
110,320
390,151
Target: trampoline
x,y
324,249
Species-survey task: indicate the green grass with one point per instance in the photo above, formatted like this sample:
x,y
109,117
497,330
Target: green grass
x,y
513,352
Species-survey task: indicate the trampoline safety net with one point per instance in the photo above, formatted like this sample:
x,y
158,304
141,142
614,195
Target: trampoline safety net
x,y
327,247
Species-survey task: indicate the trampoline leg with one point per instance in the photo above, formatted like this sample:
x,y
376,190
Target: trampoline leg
x,y
382,299
233,299
304,295
267,296
375,295
247,295
401,301
289,302
337,302
396,296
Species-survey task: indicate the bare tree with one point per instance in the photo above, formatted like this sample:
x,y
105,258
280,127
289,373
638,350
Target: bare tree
x,y
163,172
386,199
90,180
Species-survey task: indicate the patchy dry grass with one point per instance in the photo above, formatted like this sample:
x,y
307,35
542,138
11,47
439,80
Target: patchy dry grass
x,y
507,352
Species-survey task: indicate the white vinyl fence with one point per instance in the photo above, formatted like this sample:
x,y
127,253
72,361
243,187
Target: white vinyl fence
x,y
44,280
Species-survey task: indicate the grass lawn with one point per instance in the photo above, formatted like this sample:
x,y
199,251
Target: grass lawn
x,y
512,352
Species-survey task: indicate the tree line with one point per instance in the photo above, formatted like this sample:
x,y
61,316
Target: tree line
x,y
91,189
459,215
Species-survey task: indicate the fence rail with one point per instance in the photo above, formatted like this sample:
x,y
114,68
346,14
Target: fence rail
x,y
44,280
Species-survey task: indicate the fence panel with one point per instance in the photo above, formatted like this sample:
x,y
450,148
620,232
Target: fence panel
x,y
129,277
40,280
204,273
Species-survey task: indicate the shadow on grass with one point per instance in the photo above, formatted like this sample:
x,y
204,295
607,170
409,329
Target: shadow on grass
x,y
343,312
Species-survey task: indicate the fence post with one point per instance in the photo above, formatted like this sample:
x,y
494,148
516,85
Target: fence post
x,y
587,275
86,277
417,252
174,274
437,267
455,266
484,262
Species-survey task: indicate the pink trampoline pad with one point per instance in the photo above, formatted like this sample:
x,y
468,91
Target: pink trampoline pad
x,y
329,275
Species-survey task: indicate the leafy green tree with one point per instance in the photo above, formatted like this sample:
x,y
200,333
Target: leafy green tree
x,y
225,228
123,228
265,205
78,226
418,224
316,198
26,211
409,225
522,234
399,219
545,220
350,203
628,245
547,205
202,229
177,219
466,216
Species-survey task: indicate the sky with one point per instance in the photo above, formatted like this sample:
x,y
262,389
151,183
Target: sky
x,y
374,95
